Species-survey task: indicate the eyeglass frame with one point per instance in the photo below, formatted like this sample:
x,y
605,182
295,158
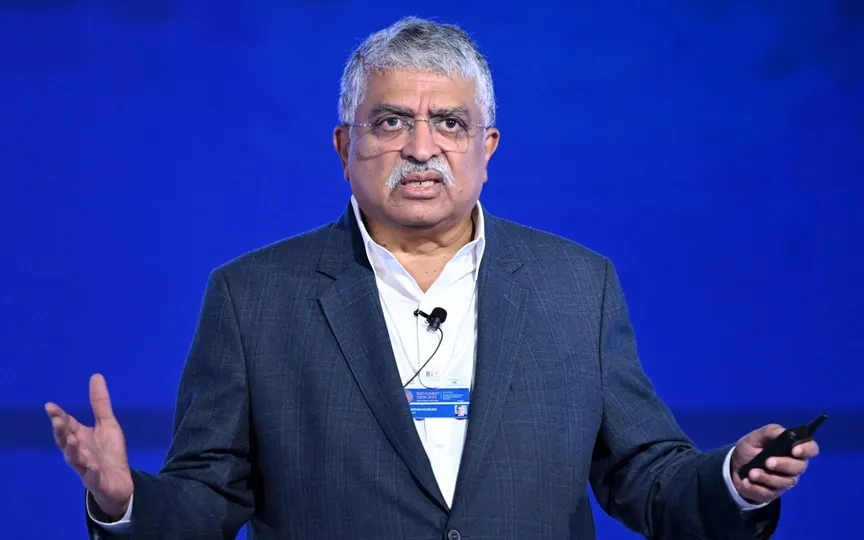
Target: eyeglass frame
x,y
404,115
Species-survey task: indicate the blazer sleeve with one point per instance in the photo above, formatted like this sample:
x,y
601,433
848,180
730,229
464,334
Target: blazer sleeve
x,y
203,490
645,471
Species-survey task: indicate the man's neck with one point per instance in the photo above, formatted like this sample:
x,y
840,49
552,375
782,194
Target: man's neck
x,y
423,253
418,244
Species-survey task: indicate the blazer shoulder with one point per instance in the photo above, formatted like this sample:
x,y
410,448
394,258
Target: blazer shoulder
x,y
297,254
549,249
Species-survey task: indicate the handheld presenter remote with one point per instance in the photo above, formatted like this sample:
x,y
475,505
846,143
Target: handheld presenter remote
x,y
782,446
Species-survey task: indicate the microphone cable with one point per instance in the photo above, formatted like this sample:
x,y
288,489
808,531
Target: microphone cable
x,y
440,340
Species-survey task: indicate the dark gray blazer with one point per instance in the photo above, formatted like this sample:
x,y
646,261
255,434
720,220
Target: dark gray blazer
x,y
290,412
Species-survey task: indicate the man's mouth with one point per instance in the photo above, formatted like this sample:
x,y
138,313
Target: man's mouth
x,y
425,179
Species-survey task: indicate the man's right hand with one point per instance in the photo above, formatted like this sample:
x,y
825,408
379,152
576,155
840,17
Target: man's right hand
x,y
98,453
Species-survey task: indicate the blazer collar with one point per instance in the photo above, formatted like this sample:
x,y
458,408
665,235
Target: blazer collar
x,y
345,244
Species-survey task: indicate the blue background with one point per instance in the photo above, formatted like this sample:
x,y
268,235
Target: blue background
x,y
713,149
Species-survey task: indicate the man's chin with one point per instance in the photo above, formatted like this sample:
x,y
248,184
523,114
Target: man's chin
x,y
421,215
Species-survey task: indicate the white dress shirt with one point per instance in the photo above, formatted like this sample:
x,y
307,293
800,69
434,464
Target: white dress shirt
x,y
455,290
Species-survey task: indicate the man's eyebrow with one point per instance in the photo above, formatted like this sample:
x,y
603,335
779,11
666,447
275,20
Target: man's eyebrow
x,y
387,108
435,112
459,110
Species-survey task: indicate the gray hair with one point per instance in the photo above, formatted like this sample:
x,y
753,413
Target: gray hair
x,y
413,44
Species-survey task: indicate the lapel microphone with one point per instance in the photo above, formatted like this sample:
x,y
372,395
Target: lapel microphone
x,y
434,319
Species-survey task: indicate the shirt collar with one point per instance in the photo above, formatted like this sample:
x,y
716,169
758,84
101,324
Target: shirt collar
x,y
477,246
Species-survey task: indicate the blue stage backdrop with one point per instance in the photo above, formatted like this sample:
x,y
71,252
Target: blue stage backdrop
x,y
713,149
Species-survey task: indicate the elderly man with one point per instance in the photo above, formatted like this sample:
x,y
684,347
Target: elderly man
x,y
419,369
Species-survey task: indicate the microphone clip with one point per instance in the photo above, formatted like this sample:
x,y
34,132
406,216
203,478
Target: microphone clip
x,y
435,319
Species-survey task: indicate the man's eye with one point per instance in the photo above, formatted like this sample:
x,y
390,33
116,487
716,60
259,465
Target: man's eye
x,y
392,122
451,124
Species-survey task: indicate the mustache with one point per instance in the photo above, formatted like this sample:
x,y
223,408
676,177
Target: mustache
x,y
405,167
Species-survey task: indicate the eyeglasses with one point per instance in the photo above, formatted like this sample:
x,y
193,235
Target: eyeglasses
x,y
450,134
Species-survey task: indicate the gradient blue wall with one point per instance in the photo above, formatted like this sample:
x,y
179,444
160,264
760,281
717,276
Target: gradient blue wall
x,y
713,149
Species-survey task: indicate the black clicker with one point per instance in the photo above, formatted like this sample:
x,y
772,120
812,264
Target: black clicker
x,y
782,446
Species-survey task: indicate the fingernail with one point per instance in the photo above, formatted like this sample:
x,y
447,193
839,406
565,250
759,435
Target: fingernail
x,y
797,451
771,463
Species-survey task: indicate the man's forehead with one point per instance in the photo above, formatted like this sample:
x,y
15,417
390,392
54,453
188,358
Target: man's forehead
x,y
420,93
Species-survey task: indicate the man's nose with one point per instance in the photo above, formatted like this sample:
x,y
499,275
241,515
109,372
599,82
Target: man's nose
x,y
421,144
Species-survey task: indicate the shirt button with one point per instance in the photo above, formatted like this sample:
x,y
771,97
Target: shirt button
x,y
453,534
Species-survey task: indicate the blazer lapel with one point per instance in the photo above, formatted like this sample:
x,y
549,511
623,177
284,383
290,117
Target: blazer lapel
x,y
500,323
353,310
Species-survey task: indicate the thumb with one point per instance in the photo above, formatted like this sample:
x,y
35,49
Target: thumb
x,y
100,401
763,436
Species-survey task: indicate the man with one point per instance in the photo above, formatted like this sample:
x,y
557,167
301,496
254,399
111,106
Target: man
x,y
319,395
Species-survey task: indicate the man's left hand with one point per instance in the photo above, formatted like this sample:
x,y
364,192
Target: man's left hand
x,y
781,473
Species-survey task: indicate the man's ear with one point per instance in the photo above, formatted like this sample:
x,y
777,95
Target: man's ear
x,y
342,144
490,144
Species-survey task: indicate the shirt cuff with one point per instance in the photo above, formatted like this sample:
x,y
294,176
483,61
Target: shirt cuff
x,y
727,477
123,524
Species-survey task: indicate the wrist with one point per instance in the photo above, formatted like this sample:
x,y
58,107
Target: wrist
x,y
737,481
106,511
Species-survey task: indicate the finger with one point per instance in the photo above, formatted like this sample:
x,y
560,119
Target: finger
x,y
56,414
786,466
772,481
53,410
67,436
768,433
755,492
66,421
59,437
807,450
74,455
100,401
60,423
72,425
59,431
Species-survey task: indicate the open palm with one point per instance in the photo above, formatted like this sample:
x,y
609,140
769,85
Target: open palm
x,y
98,453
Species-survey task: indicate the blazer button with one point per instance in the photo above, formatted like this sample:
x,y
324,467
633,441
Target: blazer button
x,y
453,534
